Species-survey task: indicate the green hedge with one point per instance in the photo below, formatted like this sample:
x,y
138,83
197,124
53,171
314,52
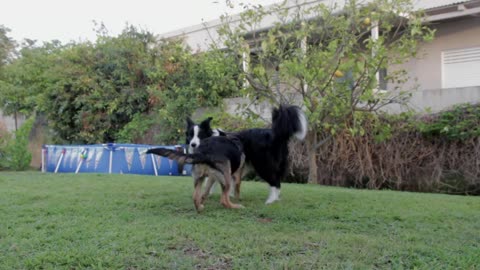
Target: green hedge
x,y
14,153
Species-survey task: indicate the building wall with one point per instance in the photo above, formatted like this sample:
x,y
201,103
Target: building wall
x,y
427,67
425,71
435,100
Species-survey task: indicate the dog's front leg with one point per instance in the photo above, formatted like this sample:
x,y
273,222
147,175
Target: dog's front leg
x,y
208,187
274,194
197,193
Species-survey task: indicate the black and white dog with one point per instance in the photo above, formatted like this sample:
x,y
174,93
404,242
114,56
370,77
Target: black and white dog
x,y
266,150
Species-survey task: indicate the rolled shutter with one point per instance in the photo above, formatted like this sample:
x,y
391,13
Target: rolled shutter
x,y
461,68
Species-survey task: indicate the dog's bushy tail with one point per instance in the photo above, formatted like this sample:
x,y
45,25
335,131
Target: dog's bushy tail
x,y
181,158
288,121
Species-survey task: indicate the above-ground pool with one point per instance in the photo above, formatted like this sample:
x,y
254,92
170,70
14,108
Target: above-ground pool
x,y
109,158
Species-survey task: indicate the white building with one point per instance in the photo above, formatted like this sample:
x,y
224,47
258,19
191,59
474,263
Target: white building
x,y
447,69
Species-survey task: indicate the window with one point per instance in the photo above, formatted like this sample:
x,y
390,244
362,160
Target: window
x,y
461,68
382,74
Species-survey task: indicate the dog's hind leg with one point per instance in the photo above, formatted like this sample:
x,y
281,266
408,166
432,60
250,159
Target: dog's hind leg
x,y
237,179
224,177
227,182
237,176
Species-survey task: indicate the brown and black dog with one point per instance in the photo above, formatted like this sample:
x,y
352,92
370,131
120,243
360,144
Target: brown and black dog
x,y
218,158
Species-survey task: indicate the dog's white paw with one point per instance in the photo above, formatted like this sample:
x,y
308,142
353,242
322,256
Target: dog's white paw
x,y
273,196
270,201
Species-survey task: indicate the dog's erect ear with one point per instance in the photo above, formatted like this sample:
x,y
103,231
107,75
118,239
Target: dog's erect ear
x,y
189,122
206,123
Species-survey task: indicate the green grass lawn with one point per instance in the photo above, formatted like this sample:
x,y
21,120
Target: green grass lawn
x,y
68,221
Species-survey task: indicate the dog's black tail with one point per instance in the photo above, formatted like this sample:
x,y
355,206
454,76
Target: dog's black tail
x,y
181,158
288,121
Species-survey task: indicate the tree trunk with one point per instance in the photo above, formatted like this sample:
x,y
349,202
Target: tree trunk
x,y
15,119
312,158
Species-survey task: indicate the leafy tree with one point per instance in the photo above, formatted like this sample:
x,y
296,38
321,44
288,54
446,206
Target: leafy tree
x,y
325,59
87,90
101,91
7,52
98,88
188,81
7,46
25,79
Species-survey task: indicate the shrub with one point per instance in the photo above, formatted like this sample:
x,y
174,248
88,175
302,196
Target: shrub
x,y
5,137
14,150
460,123
433,153
135,131
229,122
